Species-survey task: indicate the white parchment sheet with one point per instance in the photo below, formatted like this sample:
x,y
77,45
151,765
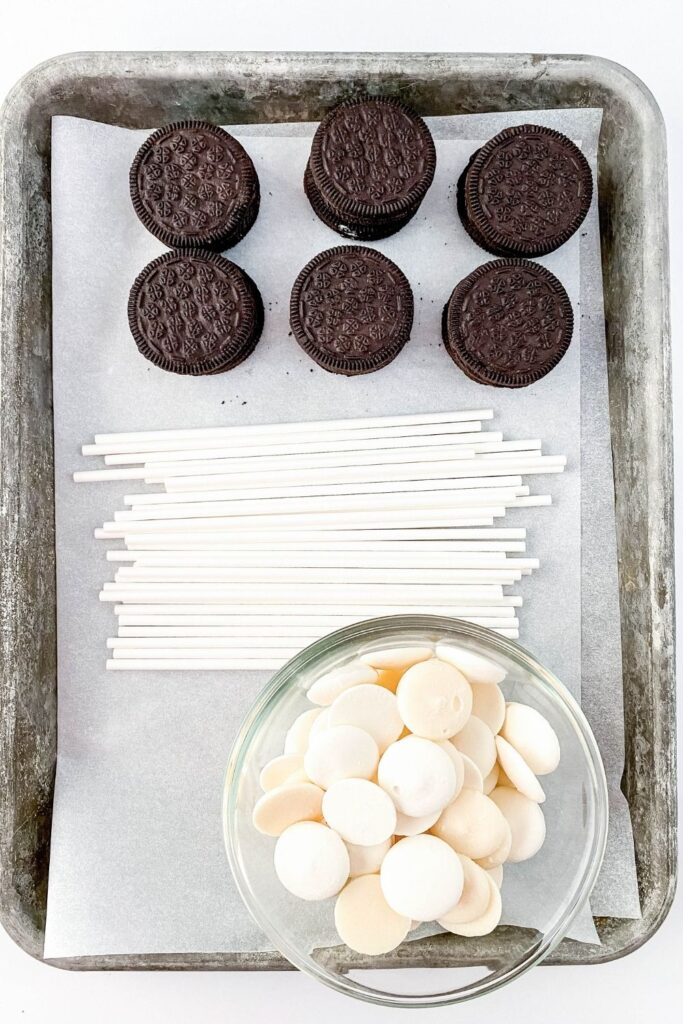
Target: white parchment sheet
x,y
137,861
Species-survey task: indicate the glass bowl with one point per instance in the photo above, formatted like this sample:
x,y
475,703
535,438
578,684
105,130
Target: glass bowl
x,y
544,893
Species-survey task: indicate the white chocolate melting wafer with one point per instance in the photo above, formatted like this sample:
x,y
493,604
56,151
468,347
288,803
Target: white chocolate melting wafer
x,y
296,740
408,826
279,769
311,861
474,898
532,736
341,752
458,763
526,822
488,703
434,699
319,725
418,775
518,771
500,854
364,919
491,780
326,689
371,708
476,740
474,667
481,925
421,878
397,658
367,860
472,825
360,811
473,778
279,808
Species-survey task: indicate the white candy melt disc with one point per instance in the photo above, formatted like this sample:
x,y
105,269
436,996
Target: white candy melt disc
x,y
472,825
500,854
320,723
407,826
326,689
434,699
532,736
360,811
279,808
474,898
367,860
473,777
488,703
364,919
311,861
458,763
421,878
371,708
518,771
418,775
397,658
496,874
280,768
491,780
296,740
473,666
477,741
526,822
488,920
341,752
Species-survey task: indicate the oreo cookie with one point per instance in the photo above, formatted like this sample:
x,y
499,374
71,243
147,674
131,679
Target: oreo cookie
x,y
525,192
351,310
371,163
195,313
508,323
194,186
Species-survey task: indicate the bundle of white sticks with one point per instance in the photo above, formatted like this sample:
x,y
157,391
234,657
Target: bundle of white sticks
x,y
265,538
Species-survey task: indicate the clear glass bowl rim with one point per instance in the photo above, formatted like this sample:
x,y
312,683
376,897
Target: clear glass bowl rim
x,y
377,629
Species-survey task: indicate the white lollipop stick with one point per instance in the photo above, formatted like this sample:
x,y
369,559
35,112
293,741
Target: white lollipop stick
x,y
321,445
381,432
408,419
278,628
426,549
208,540
372,558
264,593
290,574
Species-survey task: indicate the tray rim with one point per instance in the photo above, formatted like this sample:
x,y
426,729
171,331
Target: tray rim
x,y
192,65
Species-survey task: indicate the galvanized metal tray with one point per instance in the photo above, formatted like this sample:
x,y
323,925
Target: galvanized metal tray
x,y
142,89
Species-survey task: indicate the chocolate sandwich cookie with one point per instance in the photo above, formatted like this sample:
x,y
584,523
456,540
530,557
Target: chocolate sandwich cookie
x,y
508,323
372,161
525,192
195,313
194,186
351,310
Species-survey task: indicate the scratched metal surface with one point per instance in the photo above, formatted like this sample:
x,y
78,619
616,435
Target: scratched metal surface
x,y
139,89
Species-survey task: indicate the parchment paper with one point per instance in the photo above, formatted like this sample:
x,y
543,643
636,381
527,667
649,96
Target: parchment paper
x,y
137,863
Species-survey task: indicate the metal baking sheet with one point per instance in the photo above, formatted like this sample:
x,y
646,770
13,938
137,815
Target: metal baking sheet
x,y
141,89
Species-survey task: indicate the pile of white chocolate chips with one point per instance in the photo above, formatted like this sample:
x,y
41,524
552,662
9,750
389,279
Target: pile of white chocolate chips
x,y
404,791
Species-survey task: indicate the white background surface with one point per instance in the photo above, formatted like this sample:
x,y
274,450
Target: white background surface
x,y
645,36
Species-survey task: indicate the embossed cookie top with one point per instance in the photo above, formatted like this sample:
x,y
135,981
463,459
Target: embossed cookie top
x,y
191,183
373,156
509,322
191,312
351,309
528,190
